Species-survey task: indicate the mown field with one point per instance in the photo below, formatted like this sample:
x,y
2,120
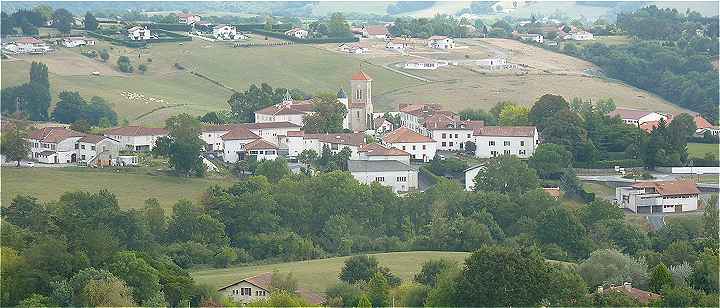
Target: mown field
x,y
701,149
318,275
131,189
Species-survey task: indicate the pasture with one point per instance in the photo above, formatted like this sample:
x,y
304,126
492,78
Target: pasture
x,y
131,186
318,275
702,149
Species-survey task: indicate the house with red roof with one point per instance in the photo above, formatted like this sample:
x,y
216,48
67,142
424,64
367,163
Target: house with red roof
x,y
60,145
234,143
376,151
419,146
273,132
136,138
659,197
336,142
259,287
376,31
643,297
492,141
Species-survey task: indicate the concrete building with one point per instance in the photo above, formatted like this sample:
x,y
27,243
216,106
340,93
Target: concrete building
x,y
492,141
397,175
659,197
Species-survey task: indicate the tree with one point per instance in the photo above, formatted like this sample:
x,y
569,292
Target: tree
x,y
308,157
379,290
104,55
142,68
609,266
710,217
8,25
503,276
185,145
558,225
337,26
513,115
283,282
36,300
91,24
111,292
506,174
70,108
364,301
327,117
124,64
274,170
142,278
545,108
81,125
660,278
358,268
14,144
549,160
430,270
705,269
63,20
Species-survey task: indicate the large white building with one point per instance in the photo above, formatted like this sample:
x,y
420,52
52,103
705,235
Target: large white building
x,y
449,132
226,32
636,117
22,45
440,42
59,145
234,143
659,197
273,132
136,138
492,141
420,147
336,142
139,34
397,175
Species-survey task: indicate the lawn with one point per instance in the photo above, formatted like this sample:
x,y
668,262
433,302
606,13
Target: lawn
x,y
318,275
701,149
131,187
601,190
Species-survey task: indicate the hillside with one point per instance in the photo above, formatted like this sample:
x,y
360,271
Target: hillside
x,y
320,274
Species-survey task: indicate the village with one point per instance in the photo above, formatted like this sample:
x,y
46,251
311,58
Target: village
x,y
357,160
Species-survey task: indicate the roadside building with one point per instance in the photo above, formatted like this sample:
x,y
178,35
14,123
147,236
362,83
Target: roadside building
x,y
94,150
139,34
71,42
399,176
26,45
532,37
659,197
55,145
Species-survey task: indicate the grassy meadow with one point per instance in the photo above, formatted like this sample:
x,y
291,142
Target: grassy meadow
x,y
318,275
701,149
131,187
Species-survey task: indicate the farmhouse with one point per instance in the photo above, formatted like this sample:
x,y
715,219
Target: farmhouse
x,y
700,124
492,141
234,143
420,147
96,150
273,132
139,34
493,63
636,117
413,115
136,138
658,197
22,45
71,42
578,35
398,44
355,48
377,32
440,42
399,176
532,37
297,33
258,287
376,151
336,142
57,145
187,18
226,32
381,125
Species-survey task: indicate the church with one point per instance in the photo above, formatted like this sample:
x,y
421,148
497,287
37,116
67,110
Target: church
x,y
359,106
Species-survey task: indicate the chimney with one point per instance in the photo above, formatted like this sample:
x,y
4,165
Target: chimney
x,y
600,289
627,286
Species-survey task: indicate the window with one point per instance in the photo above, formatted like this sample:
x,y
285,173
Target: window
x,y
245,291
92,147
444,135
444,143
507,152
413,148
380,179
82,146
522,143
451,143
424,147
77,146
403,148
402,179
82,157
491,143
456,136
209,135
493,153
469,135
506,143
521,152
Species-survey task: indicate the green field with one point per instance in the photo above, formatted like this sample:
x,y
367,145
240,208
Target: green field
x,y
700,149
131,189
318,275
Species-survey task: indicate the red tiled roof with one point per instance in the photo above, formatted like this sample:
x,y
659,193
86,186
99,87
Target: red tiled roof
x,y
377,30
642,296
293,133
228,127
295,107
94,139
360,75
628,113
259,144
405,135
376,149
700,123
354,139
136,131
54,134
240,133
670,188
422,110
445,121
505,131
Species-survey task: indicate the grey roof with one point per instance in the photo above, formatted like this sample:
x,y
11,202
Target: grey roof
x,y
377,166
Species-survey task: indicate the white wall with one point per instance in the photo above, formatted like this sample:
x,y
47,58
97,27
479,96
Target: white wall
x,y
390,179
695,170
484,149
234,292
421,151
232,147
448,136
470,178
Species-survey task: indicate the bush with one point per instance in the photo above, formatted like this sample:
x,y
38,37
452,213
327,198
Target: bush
x,y
124,64
90,53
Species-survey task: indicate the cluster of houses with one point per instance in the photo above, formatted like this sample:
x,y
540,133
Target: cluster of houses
x,y
649,120
25,45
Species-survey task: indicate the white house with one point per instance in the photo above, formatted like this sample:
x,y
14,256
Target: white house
x,y
470,174
636,117
659,197
54,145
336,142
262,150
381,125
376,151
579,36
532,37
355,48
187,18
449,132
297,33
492,141
226,32
493,63
234,143
96,150
420,147
397,44
136,138
139,34
376,32
288,110
71,42
425,64
24,45
413,116
440,42
258,287
397,175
